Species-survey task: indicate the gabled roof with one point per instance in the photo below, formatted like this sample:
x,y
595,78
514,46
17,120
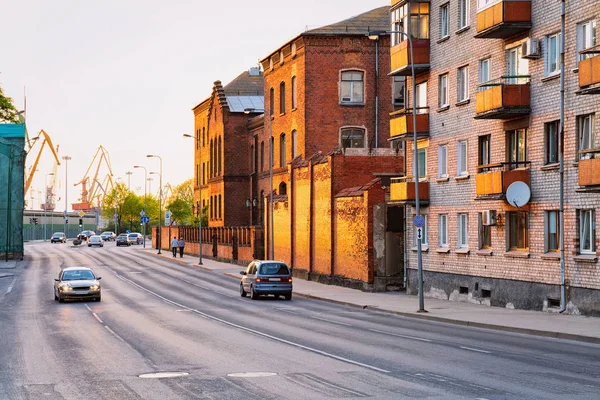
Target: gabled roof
x,y
361,24
245,91
357,190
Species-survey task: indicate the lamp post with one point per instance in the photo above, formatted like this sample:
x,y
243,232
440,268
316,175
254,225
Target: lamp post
x,y
145,180
129,173
66,159
250,205
374,35
199,198
46,201
271,254
159,233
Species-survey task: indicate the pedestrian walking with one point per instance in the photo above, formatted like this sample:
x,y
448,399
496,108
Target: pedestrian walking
x,y
181,245
174,246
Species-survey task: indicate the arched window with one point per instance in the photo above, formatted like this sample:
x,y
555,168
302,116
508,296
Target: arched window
x,y
203,173
294,144
262,156
220,208
282,150
282,97
219,157
211,207
282,188
252,159
272,102
294,93
211,156
203,137
352,138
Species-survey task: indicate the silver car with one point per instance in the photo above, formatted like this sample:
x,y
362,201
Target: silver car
x,y
77,283
265,278
95,240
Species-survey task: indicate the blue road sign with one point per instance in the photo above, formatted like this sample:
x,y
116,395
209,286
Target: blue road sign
x,y
144,219
418,221
128,231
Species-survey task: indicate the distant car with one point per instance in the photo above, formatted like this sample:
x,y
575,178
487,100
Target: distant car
x,y
95,240
108,236
58,237
122,240
77,283
266,277
135,238
84,235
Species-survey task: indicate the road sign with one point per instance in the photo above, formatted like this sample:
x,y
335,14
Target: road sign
x,y
142,213
128,231
81,214
145,219
168,214
167,221
419,236
418,221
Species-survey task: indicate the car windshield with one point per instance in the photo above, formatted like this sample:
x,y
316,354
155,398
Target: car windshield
x,y
274,269
76,275
58,234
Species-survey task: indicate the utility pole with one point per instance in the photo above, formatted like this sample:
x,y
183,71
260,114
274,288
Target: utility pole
x,y
66,158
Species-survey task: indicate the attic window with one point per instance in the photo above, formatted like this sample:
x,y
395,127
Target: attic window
x,y
281,57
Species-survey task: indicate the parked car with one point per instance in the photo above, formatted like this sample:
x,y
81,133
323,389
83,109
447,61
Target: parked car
x,y
122,240
266,277
135,238
95,240
84,235
58,237
108,236
77,283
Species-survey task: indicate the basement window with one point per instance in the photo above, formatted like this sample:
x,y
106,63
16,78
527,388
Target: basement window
x,y
463,290
486,294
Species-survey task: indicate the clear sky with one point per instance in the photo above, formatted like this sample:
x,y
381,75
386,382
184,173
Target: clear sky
x,y
125,74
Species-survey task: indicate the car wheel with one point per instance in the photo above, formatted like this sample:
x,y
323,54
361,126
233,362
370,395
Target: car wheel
x,y
61,300
89,245
55,297
276,296
253,294
99,298
288,296
242,291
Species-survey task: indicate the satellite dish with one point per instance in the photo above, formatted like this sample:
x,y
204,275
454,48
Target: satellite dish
x,y
518,194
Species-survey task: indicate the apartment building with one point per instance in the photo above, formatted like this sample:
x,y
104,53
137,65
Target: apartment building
x,y
488,112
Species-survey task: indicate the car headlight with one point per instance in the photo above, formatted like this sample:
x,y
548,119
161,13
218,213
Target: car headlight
x,y
94,287
65,287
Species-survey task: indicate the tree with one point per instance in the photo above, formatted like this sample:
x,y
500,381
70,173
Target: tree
x,y
126,204
8,112
180,203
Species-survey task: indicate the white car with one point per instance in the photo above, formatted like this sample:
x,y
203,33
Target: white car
x,y
95,240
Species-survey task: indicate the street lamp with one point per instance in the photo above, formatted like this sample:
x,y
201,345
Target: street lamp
x,y
46,200
374,35
129,173
271,236
145,180
200,207
159,233
66,158
250,205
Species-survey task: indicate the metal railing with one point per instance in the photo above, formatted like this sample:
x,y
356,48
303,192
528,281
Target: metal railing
x,y
505,80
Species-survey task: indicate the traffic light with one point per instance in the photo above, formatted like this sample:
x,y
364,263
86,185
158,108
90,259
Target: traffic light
x,y
33,220
80,222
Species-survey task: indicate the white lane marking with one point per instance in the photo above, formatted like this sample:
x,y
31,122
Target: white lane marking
x,y
114,334
476,350
12,284
330,321
266,335
88,307
402,336
288,311
183,310
97,317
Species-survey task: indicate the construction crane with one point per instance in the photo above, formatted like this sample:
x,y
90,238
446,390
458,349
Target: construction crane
x,y
49,204
87,195
33,168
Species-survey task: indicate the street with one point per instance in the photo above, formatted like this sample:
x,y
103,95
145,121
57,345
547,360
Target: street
x,y
160,316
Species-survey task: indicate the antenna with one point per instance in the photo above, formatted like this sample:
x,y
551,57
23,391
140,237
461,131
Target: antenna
x,y
518,194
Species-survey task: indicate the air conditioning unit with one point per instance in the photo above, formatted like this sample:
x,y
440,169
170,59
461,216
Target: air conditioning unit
x,y
488,217
530,49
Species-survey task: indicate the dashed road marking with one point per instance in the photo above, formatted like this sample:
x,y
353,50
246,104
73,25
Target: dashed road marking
x,y
330,321
402,336
476,350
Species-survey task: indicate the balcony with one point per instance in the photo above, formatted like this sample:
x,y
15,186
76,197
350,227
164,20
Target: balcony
x,y
589,72
504,98
492,180
504,19
401,124
401,61
589,169
403,190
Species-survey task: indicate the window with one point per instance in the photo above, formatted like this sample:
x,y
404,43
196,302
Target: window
x,y
282,98
442,161
443,91
421,98
219,157
551,141
272,152
444,20
462,84
461,158
204,173
272,102
262,156
463,231
517,230
423,232
485,3
516,66
517,148
294,144
586,38
211,158
352,87
410,17
552,56
443,230
484,72
220,215
282,188
282,150
551,231
294,93
586,232
203,137
463,13
585,130
484,151
353,138
422,157
399,91
485,235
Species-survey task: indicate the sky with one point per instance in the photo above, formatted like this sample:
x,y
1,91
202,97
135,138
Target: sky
x,y
125,74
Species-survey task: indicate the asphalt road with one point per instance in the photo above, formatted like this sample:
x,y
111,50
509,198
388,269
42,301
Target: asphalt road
x,y
159,316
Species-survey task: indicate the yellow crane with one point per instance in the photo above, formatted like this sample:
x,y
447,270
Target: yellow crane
x,y
33,168
87,195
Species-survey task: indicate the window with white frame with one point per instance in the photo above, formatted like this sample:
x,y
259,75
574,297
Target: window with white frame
x,y
423,232
352,87
443,161
421,98
462,84
586,38
443,230
463,13
399,91
484,72
445,20
585,130
352,138
461,158
485,234
586,232
463,231
443,91
551,231
551,142
552,55
517,67
422,157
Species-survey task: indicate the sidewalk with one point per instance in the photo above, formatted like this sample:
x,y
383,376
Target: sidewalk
x,y
562,326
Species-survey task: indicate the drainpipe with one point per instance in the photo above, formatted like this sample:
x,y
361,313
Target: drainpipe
x,y
377,93
563,300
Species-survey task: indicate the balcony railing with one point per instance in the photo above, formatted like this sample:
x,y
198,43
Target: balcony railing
x,y
504,98
400,57
589,72
504,19
589,168
401,123
492,180
403,189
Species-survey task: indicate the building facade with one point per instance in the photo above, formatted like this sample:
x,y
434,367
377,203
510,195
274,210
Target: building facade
x,y
488,95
